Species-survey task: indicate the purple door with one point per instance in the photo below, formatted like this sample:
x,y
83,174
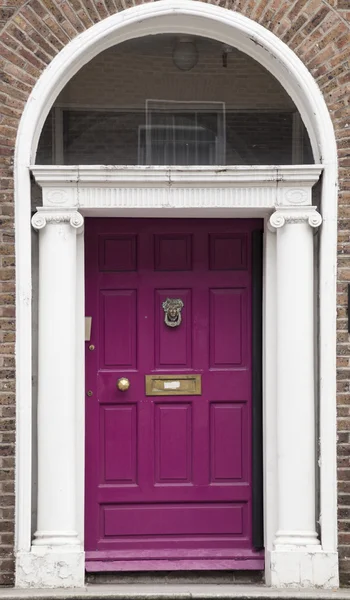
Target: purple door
x,y
168,460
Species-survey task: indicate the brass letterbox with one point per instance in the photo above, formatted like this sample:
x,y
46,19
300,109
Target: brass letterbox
x,y
173,385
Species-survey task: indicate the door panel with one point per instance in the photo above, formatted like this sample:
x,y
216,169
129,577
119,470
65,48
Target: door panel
x,y
173,452
169,475
227,318
226,441
118,320
173,347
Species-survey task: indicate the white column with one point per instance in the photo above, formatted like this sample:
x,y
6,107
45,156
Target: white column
x,y
56,534
296,535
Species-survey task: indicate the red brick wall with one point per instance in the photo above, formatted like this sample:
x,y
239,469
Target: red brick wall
x,y
33,32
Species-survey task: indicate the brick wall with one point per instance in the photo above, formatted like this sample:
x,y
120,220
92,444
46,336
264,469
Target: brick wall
x,y
33,32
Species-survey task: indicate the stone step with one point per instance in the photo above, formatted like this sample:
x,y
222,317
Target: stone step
x,y
174,591
188,577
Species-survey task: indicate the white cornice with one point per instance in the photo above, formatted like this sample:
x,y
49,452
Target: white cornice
x,y
135,176
150,190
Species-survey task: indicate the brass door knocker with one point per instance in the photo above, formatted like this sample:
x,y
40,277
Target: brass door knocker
x,y
172,308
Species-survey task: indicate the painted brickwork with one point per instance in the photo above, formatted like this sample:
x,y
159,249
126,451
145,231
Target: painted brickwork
x,y
33,32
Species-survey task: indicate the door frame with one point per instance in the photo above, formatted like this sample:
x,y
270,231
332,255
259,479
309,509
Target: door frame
x,y
282,196
300,567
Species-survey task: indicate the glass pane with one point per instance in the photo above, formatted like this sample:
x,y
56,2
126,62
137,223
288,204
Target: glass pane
x,y
133,105
45,155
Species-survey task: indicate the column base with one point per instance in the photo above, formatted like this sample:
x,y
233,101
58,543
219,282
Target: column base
x,y
295,539
55,538
308,567
48,567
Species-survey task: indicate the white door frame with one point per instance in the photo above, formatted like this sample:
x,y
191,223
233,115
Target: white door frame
x,y
196,18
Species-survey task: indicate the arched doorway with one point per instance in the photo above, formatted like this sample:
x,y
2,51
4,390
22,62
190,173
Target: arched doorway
x,y
294,208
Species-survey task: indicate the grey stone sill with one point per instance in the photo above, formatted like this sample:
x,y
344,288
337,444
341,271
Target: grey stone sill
x,y
173,591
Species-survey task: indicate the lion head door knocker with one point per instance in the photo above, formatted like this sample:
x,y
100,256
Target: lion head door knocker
x,y
172,308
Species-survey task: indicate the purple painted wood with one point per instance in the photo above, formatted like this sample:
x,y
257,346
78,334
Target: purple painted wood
x,y
168,478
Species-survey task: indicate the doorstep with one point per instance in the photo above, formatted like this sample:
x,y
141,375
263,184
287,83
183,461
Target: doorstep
x,y
173,591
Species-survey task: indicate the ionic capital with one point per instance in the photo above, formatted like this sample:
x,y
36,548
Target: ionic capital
x,y
283,216
45,216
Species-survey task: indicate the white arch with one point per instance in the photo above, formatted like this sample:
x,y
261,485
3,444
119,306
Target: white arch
x,y
198,18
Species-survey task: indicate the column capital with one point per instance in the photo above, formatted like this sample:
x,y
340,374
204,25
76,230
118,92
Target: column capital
x,y
46,216
284,215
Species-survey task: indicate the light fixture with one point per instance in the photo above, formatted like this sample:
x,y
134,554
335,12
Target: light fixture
x,y
226,50
185,54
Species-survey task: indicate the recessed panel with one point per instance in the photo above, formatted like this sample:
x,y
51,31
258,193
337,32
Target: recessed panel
x,y
226,316
173,252
119,443
173,442
117,253
118,328
227,251
173,345
226,424
173,519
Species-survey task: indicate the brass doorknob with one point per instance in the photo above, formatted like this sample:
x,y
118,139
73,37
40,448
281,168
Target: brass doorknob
x,y
123,384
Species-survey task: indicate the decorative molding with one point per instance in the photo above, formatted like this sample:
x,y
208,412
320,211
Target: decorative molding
x,y
282,216
315,219
146,188
44,217
176,197
296,196
57,197
60,176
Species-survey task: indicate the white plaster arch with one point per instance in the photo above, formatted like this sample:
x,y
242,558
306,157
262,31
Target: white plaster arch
x,y
198,18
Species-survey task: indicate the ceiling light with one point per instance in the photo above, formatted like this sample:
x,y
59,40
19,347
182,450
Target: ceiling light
x,y
185,54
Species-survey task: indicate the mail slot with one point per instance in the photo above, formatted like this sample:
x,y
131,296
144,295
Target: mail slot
x,y
173,385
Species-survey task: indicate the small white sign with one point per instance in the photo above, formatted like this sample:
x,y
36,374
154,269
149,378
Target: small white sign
x,y
88,328
171,385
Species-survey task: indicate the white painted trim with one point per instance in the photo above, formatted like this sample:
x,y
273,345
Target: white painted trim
x,y
140,176
149,191
80,387
269,389
196,18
